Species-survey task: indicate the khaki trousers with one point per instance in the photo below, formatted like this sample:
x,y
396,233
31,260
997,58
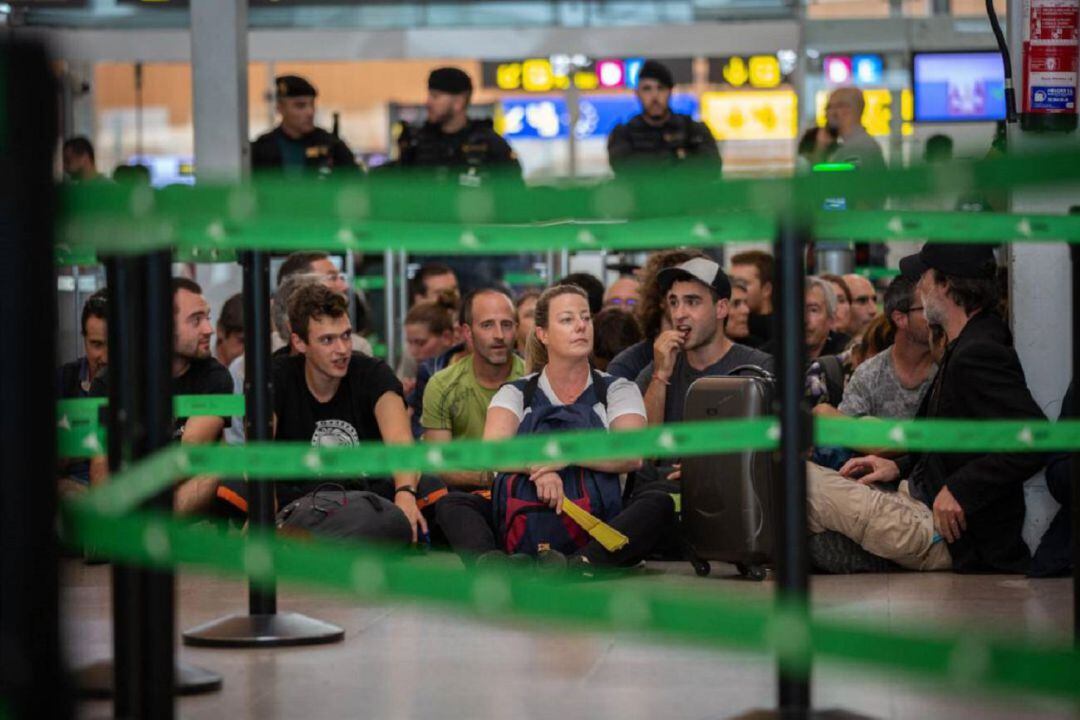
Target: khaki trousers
x,y
892,525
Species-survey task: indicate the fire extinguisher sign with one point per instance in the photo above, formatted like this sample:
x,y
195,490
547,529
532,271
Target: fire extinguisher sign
x,y
1050,56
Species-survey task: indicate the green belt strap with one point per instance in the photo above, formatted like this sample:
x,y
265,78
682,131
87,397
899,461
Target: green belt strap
x,y
80,432
282,460
967,659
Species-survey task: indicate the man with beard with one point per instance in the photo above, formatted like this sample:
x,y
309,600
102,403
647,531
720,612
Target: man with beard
x,y
194,372
698,293
296,146
657,134
892,383
456,399
959,510
449,138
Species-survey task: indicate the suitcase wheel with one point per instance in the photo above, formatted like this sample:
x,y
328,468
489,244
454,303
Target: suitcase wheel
x,y
752,572
701,567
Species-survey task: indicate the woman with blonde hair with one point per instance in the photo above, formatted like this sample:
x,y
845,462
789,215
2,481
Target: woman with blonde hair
x,y
524,515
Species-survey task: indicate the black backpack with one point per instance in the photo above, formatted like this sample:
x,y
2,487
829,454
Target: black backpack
x,y
332,511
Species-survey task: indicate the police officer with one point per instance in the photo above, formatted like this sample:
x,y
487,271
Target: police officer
x,y
296,145
657,134
449,138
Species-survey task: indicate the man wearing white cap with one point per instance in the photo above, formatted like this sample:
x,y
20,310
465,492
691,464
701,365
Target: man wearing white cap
x,y
697,294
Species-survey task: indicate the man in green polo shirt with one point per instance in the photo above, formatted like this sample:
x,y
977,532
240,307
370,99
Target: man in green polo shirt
x,y
456,398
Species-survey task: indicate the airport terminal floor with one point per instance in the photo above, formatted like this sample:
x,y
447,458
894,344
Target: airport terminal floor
x,y
400,662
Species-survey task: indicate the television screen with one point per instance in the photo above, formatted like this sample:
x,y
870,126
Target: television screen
x,y
958,86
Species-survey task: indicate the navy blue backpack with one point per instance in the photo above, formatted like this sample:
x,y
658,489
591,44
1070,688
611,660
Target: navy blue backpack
x,y
524,523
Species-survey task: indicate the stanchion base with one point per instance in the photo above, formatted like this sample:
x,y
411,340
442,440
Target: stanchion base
x,y
277,630
830,714
96,680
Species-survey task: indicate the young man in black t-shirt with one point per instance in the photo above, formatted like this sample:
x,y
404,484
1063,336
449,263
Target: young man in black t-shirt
x,y
194,372
331,396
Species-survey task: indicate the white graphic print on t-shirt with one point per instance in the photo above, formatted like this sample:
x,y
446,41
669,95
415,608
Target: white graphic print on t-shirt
x,y
334,433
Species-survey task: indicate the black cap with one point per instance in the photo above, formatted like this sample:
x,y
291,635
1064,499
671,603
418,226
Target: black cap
x,y
959,260
701,269
654,70
289,86
450,80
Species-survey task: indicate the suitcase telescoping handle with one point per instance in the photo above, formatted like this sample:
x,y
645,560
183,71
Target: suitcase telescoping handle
x,y
754,371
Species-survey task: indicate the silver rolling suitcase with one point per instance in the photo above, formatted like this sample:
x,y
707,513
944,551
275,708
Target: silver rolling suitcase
x,y
728,499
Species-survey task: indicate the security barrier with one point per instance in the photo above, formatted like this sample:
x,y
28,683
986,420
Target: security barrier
x,y
213,222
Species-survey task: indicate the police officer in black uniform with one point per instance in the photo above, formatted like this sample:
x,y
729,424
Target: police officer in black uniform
x,y
657,134
449,138
296,145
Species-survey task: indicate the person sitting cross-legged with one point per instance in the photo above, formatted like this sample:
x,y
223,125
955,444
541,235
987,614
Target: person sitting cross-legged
x,y
565,393
959,510
330,396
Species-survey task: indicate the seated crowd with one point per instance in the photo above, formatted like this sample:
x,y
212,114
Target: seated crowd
x,y
579,355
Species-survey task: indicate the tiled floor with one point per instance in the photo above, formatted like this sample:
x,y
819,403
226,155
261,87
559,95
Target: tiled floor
x,y
397,662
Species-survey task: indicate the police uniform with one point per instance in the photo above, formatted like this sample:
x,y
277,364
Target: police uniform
x,y
679,139
473,147
317,151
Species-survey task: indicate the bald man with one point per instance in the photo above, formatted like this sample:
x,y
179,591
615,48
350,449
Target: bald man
x,y
843,118
863,303
624,293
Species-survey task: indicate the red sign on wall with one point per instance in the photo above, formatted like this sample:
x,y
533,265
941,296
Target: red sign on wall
x,y
1051,51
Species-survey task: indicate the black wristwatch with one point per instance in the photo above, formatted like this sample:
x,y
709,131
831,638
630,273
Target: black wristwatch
x,y
407,489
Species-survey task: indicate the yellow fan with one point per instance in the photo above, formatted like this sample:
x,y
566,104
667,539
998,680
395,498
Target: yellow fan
x,y
606,535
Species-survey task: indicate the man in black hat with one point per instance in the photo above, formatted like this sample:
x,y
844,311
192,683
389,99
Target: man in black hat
x,y
296,145
657,133
449,138
963,510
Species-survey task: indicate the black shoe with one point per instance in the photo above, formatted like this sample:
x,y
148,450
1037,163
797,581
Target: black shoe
x,y
579,567
836,553
493,560
550,562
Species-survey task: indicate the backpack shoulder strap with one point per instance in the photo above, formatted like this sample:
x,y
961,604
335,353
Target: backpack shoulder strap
x,y
600,385
834,378
529,392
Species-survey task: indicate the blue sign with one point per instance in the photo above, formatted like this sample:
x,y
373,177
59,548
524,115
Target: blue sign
x,y
548,118
867,69
633,69
1053,98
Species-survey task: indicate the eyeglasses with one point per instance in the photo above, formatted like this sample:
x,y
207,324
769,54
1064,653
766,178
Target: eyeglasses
x,y
913,309
629,302
327,277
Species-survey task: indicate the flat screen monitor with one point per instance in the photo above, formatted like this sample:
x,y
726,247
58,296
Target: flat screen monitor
x,y
958,86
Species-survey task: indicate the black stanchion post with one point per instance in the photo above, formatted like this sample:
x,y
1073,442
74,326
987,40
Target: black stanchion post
x,y
127,581
157,620
1074,251
32,681
258,394
791,564
263,626
122,676
796,438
